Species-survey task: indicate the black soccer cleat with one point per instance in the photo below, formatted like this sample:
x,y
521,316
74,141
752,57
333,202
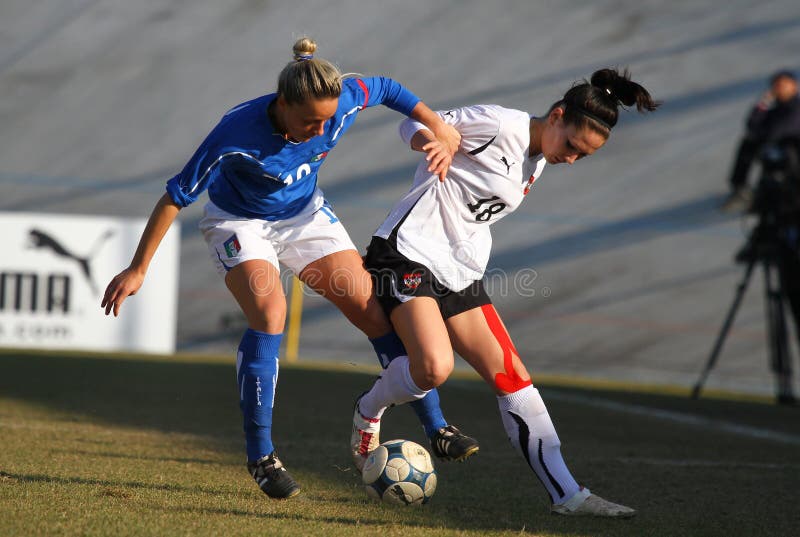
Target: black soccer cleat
x,y
273,478
450,444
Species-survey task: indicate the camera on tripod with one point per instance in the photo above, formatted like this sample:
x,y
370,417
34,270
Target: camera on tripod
x,y
774,243
776,199
777,191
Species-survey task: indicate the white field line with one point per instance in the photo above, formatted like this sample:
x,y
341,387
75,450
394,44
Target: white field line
x,y
699,463
667,415
682,418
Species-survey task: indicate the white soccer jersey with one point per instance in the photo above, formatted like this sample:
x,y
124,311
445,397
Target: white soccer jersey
x,y
445,225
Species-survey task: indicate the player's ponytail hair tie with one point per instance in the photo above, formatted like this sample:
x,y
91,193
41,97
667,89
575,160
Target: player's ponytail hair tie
x,y
595,103
622,91
303,57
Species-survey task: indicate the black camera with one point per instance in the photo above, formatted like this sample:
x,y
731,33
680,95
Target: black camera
x,y
777,195
774,157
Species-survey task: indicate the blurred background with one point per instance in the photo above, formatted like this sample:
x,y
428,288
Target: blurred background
x,y
626,259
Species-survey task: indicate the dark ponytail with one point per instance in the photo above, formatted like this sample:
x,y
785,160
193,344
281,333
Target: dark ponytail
x,y
596,103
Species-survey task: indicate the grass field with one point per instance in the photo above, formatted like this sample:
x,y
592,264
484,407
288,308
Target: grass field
x,y
143,446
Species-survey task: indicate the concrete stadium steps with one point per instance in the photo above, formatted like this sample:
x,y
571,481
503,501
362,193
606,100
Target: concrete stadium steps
x,y
104,101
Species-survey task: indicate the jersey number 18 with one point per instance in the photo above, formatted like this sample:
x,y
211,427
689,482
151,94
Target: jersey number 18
x,y
486,214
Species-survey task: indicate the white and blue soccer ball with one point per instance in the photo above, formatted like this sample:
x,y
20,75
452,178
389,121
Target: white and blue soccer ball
x,y
400,472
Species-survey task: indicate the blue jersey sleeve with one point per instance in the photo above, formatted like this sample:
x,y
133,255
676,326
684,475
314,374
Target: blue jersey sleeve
x,y
385,91
194,179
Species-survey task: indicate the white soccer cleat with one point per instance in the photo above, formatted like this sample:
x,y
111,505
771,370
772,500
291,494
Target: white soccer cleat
x,y
364,438
584,503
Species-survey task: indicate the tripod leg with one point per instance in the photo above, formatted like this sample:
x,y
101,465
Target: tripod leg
x,y
788,269
777,335
726,326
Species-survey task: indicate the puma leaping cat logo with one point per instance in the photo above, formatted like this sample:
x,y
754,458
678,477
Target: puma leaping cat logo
x,y
508,166
40,239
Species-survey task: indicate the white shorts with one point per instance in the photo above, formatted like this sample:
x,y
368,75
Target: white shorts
x,y
295,242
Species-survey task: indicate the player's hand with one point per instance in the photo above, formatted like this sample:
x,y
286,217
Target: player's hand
x,y
449,136
123,285
438,157
449,139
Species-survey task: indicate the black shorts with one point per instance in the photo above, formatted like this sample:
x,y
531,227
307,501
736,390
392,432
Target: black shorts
x,y
397,279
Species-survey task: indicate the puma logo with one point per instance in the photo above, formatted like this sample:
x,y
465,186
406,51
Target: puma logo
x,y
40,239
508,166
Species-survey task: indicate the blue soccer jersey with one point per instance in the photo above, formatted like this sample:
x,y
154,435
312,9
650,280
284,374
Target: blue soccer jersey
x,y
252,171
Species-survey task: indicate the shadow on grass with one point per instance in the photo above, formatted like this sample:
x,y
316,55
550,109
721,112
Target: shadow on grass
x,y
286,516
311,429
43,478
166,396
138,457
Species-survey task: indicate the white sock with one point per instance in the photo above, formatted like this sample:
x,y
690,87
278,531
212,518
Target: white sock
x,y
532,433
393,387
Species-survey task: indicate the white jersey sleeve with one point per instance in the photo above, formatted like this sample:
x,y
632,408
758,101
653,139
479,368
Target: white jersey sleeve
x,y
478,125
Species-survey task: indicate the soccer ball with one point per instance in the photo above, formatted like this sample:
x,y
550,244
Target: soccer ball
x,y
400,472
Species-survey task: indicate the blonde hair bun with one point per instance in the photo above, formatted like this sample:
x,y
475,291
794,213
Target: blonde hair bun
x,y
308,78
304,49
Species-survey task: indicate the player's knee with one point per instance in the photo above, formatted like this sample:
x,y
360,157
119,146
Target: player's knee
x,y
510,380
435,373
268,318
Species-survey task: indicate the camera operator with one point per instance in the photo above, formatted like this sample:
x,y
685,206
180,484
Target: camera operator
x,y
775,117
773,138
775,242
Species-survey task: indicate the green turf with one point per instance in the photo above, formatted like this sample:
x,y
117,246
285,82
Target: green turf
x,y
133,446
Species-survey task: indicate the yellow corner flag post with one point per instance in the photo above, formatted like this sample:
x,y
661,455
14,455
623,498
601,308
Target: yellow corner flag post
x,y
295,317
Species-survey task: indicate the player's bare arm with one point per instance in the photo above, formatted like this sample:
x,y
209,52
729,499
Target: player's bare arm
x,y
129,281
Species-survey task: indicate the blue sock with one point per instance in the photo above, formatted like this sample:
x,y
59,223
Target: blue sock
x,y
428,411
257,375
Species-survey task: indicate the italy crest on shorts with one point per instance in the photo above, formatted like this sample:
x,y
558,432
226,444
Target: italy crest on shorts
x,y
232,246
412,280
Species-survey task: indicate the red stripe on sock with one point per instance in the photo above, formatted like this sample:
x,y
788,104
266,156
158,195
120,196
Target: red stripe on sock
x,y
510,381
